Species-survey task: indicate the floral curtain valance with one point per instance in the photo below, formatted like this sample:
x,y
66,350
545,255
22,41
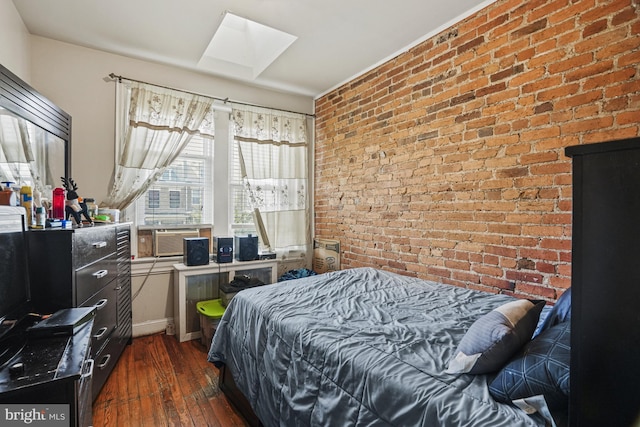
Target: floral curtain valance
x,y
168,109
162,121
262,124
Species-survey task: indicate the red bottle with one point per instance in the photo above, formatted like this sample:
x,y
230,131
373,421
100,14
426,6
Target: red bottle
x,y
58,204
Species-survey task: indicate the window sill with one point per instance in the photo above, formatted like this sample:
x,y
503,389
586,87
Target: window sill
x,y
152,265
174,227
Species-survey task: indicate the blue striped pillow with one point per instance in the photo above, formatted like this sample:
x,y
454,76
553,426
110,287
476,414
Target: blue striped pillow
x,y
495,337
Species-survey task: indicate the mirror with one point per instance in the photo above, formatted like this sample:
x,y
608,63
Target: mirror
x,y
35,136
29,155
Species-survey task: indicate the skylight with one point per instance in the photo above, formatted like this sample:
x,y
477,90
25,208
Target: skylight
x,y
244,48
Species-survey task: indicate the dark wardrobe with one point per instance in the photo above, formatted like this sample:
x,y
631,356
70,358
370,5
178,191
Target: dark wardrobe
x,y
605,324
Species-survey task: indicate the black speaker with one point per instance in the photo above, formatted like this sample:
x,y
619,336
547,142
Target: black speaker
x,y
223,249
196,251
246,248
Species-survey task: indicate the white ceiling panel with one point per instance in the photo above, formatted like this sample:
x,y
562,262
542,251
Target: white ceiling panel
x,y
334,40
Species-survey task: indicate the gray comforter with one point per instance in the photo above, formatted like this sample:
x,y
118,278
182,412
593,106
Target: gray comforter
x,y
358,347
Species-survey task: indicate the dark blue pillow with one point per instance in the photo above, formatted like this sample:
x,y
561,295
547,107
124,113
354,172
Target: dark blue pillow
x,y
542,367
561,312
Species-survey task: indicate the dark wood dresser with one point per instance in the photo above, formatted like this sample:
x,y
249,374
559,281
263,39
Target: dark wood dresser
x,y
82,267
605,290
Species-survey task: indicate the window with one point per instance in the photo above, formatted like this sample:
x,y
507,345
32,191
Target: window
x,y
183,195
157,126
271,201
242,219
153,197
175,198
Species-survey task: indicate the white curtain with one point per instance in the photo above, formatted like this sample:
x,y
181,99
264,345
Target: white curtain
x,y
273,148
153,125
23,152
14,140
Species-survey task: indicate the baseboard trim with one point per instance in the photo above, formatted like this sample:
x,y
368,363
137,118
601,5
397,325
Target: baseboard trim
x,y
153,327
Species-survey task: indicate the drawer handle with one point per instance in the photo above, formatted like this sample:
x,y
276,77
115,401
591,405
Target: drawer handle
x,y
89,369
101,332
100,304
100,274
105,361
98,245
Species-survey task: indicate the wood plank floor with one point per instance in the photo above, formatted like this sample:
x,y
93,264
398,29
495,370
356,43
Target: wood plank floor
x,y
159,381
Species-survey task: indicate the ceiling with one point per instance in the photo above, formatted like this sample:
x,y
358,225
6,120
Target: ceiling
x,y
336,40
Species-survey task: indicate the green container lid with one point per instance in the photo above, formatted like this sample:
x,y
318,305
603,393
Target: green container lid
x,y
211,308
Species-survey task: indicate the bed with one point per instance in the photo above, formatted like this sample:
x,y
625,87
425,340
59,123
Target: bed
x,y
367,347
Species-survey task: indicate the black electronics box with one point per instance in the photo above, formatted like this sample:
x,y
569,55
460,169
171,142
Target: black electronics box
x,y
63,322
223,249
267,255
246,248
196,251
239,283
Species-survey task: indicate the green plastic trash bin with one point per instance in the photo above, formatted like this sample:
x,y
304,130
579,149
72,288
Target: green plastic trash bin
x,y
210,313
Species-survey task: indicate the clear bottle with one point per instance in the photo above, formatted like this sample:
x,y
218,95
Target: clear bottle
x,y
41,216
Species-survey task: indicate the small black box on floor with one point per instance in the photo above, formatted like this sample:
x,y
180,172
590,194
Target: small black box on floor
x,y
246,248
223,249
239,283
196,251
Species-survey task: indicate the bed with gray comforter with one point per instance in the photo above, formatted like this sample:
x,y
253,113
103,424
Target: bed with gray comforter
x,y
359,347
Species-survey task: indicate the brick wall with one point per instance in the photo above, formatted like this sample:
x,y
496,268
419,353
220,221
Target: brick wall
x,y
447,162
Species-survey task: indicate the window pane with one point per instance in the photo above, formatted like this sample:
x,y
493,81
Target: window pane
x,y
242,211
174,198
154,199
184,193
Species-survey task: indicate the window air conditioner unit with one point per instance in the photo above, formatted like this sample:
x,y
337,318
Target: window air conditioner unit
x,y
169,243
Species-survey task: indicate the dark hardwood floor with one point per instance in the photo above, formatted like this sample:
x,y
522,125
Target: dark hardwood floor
x,y
159,381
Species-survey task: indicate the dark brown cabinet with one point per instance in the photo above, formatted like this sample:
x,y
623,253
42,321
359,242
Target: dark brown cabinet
x,y
605,291
89,266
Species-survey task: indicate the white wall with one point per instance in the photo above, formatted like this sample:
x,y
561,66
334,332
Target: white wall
x,y
72,77
152,293
14,42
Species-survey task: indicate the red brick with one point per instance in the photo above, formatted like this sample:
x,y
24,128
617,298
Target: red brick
x,y
523,276
540,291
473,124
628,117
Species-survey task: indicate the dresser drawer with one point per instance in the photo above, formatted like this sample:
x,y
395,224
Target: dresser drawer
x,y
106,313
104,363
92,244
93,277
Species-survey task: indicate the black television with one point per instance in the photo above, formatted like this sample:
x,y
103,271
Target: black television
x,y
14,272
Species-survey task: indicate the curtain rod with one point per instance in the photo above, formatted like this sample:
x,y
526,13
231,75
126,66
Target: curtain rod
x,y
113,76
